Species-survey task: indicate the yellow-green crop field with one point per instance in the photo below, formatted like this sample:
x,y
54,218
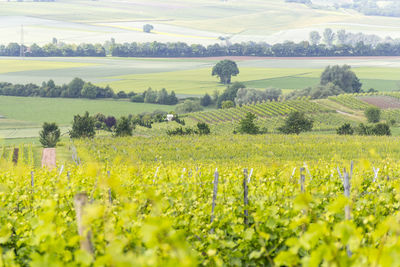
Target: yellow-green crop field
x,y
187,201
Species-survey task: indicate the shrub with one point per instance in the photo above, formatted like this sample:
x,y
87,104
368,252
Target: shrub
x,y
227,104
377,129
381,129
49,136
203,128
83,126
110,122
188,106
373,114
247,125
123,127
137,98
296,123
345,129
206,100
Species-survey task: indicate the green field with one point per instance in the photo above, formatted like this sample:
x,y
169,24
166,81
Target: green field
x,y
193,76
24,115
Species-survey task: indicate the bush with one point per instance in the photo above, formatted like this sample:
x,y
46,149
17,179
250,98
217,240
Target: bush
x,y
188,106
381,129
203,128
296,123
110,122
83,127
206,100
227,104
345,129
373,114
123,127
247,125
377,129
49,136
137,98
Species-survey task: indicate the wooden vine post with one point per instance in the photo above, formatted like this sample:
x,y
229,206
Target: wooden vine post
x,y
302,180
80,201
215,191
346,185
245,196
15,155
109,190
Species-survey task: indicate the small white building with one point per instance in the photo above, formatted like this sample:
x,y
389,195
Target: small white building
x,y
170,117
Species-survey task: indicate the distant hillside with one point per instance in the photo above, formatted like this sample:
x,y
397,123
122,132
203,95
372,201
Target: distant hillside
x,y
205,22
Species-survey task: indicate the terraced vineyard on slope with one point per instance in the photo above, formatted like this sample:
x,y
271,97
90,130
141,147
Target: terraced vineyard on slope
x,y
264,110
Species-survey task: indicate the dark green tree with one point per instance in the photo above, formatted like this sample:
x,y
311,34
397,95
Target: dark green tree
x,y
247,125
124,127
343,77
225,69
206,100
49,136
75,87
345,129
203,128
373,114
83,126
296,123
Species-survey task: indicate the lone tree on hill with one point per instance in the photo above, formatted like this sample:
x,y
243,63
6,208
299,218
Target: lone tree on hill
x,y
49,135
148,28
225,69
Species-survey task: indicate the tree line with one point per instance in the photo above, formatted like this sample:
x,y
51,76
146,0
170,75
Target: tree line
x,y
347,44
78,88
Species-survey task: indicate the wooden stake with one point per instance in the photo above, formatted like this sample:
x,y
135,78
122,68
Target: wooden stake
x,y
215,191
109,190
15,155
302,180
80,201
346,185
245,197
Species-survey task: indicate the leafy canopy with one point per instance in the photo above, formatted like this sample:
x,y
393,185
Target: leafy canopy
x,y
296,123
225,69
49,136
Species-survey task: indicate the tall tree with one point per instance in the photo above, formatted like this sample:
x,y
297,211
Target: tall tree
x,y
225,69
315,38
343,77
329,36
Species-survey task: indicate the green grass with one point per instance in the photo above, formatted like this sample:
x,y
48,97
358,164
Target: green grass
x,y
34,111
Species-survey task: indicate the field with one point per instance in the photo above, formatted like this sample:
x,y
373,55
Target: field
x,y
25,115
152,201
192,77
190,21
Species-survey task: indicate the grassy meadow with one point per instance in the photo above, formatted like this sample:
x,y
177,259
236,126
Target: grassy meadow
x,y
192,77
25,115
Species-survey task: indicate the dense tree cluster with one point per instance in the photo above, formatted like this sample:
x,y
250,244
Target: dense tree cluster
x,y
287,49
77,88
246,96
54,50
337,44
155,97
334,80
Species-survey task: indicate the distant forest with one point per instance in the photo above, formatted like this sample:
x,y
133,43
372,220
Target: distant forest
x,y
326,44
